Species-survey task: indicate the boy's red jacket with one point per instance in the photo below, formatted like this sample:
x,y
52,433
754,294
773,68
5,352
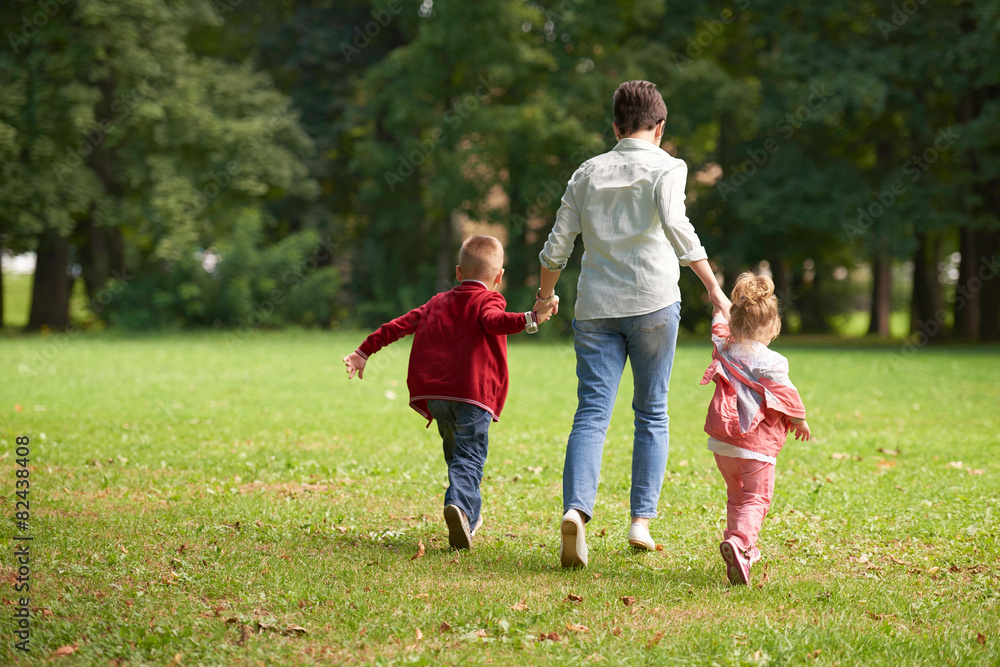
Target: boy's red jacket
x,y
459,347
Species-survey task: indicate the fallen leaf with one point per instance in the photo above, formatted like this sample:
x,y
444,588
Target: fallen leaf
x,y
182,548
444,627
975,471
177,659
420,596
898,561
293,629
419,634
655,640
628,600
888,452
602,532
933,569
575,627
69,648
756,655
617,632
480,633
420,551
453,560
863,558
520,606
244,634
552,637
882,463
573,598
659,547
840,456
981,638
18,408
955,464
815,654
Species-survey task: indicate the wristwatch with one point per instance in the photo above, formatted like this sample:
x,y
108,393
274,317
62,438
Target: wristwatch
x,y
530,323
538,296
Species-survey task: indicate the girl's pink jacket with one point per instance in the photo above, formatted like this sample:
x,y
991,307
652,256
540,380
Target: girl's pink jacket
x,y
753,397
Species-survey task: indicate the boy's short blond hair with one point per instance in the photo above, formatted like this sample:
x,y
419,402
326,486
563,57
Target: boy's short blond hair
x,y
481,257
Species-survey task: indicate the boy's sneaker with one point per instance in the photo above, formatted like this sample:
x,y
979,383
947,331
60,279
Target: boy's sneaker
x,y
574,542
459,535
640,539
737,565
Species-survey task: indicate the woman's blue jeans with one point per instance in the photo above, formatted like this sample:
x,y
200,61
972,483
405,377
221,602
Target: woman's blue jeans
x,y
602,346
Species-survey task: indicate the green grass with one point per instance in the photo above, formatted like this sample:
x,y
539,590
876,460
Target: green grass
x,y
188,490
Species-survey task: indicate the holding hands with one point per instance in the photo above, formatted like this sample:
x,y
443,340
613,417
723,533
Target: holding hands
x,y
544,309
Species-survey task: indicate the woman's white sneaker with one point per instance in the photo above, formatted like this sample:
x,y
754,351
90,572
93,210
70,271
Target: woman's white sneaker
x,y
574,542
639,538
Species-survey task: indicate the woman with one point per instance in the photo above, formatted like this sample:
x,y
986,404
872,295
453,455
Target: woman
x,y
628,205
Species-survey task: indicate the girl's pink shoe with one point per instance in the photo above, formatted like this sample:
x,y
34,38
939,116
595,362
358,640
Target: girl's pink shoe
x,y
737,565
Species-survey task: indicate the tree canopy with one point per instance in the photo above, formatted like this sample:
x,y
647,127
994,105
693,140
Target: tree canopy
x,y
246,163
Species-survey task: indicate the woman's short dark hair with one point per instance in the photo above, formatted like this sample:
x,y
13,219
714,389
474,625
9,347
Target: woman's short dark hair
x,y
637,106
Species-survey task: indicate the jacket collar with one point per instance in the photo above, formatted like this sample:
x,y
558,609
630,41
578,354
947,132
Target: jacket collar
x,y
474,283
629,144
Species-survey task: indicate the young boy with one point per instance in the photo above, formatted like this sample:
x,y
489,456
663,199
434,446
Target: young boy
x,y
458,371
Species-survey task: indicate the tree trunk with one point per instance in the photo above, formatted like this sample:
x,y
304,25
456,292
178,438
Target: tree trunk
x,y
927,304
881,295
989,302
967,294
446,259
782,286
51,288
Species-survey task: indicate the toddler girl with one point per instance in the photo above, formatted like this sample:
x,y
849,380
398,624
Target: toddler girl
x,y
754,406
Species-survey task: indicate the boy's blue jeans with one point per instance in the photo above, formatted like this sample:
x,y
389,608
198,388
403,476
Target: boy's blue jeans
x,y
602,346
464,430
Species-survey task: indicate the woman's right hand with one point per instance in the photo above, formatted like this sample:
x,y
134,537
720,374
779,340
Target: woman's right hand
x,y
720,302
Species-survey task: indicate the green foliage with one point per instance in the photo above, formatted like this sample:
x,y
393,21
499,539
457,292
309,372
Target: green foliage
x,y
239,283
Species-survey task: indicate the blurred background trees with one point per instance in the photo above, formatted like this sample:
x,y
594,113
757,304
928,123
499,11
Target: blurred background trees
x,y
242,163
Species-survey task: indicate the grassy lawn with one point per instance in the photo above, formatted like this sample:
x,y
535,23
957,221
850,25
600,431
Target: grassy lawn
x,y
197,500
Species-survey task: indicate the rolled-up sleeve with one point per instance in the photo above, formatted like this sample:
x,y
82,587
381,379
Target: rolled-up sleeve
x,y
559,245
669,195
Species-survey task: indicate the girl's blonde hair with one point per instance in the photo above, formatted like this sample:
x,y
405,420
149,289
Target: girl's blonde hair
x,y
754,315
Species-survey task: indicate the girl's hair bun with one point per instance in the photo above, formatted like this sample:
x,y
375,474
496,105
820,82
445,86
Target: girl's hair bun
x,y
751,288
754,315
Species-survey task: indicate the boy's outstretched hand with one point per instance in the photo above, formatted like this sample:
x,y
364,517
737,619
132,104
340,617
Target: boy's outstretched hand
x,y
801,430
355,364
